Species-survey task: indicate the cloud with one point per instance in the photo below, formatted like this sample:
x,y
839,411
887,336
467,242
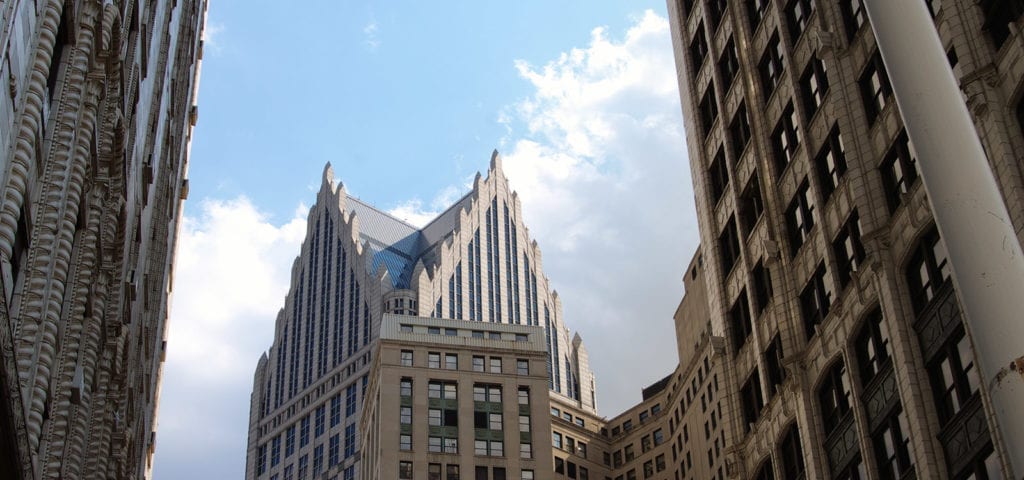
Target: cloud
x,y
415,213
597,153
212,37
370,35
232,270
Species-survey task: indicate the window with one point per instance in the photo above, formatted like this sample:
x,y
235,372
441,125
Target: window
x,y
854,16
729,245
350,440
752,399
771,65
527,475
814,86
433,330
434,471
728,65
761,277
451,472
487,393
321,415
451,332
659,437
433,360
556,440
874,87
798,15
872,346
304,431
406,358
477,334
834,397
494,335
524,396
718,176
522,367
645,444
451,361
791,456
739,320
522,337
892,446
559,465
405,416
999,14
405,470
831,163
773,363
275,451
478,363
405,387
984,466
445,390
581,449
928,270
739,131
849,249
630,454
708,110
800,218
815,300
953,376
525,450
289,441
649,469
659,462
765,472
627,425
751,205
350,400
495,365
899,171
405,442
405,328
335,410
716,9
785,139
756,10
698,48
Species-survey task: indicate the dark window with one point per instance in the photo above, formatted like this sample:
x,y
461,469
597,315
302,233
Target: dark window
x,y
953,376
728,65
729,244
834,397
752,400
785,139
716,9
762,280
719,176
1020,114
899,171
791,456
708,110
800,218
831,163
698,48
756,10
933,6
984,466
891,446
854,16
687,8
815,301
765,472
928,270
854,470
874,87
999,14
739,316
849,249
771,66
798,15
814,86
751,205
739,131
773,362
872,346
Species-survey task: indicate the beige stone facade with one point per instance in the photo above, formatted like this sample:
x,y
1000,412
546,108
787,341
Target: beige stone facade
x,y
95,128
847,357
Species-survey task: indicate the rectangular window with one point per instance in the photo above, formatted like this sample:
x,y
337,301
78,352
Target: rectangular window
x,y
405,442
814,86
495,365
433,360
350,400
334,450
478,363
874,88
289,441
406,358
899,171
752,400
451,472
785,139
739,320
405,387
524,396
522,367
791,455
751,205
451,361
928,270
831,163
716,9
556,440
335,410
434,471
800,218
761,277
854,16
708,110
834,397
798,16
350,440
815,300
275,451
872,346
728,65
849,249
756,10
953,376
999,14
405,470
773,363
698,48
405,416
739,131
771,65
892,446
321,415
729,246
645,444
304,431
718,176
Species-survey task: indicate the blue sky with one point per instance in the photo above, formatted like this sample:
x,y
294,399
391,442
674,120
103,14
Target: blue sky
x,y
407,100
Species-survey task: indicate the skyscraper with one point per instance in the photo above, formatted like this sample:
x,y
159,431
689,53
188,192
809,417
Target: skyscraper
x,y
95,127
474,262
825,271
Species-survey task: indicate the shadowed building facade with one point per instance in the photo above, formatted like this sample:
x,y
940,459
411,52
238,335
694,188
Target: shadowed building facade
x,y
475,262
847,355
95,127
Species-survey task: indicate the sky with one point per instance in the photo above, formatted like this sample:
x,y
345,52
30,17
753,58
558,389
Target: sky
x,y
407,100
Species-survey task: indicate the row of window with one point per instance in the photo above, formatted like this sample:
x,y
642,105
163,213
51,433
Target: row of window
x,y
570,444
454,332
570,469
450,361
567,416
437,471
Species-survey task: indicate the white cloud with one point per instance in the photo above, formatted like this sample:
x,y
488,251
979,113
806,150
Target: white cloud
x,y
233,267
598,156
415,213
370,35
212,37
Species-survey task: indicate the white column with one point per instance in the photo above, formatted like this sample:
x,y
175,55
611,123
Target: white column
x,y
988,266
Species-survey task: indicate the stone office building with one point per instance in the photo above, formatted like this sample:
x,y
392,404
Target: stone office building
x,y
826,275
95,127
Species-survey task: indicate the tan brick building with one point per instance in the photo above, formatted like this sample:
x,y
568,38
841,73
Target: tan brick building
x,y
847,357
95,127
